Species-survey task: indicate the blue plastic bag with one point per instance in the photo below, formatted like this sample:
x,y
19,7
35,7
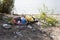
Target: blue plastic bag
x,y
23,20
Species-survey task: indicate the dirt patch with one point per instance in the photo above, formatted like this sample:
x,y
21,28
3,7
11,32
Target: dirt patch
x,y
25,34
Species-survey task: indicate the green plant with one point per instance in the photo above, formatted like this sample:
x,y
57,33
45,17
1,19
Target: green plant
x,y
43,16
7,19
51,21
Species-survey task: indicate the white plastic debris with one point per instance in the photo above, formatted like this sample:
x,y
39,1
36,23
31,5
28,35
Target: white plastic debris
x,y
18,22
6,25
19,34
29,26
38,23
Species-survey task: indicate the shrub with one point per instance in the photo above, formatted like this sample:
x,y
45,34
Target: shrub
x,y
43,16
49,20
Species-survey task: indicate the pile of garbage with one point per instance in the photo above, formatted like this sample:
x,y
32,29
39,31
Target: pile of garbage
x,y
28,31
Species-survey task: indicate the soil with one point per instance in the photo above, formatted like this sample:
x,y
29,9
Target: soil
x,y
23,34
